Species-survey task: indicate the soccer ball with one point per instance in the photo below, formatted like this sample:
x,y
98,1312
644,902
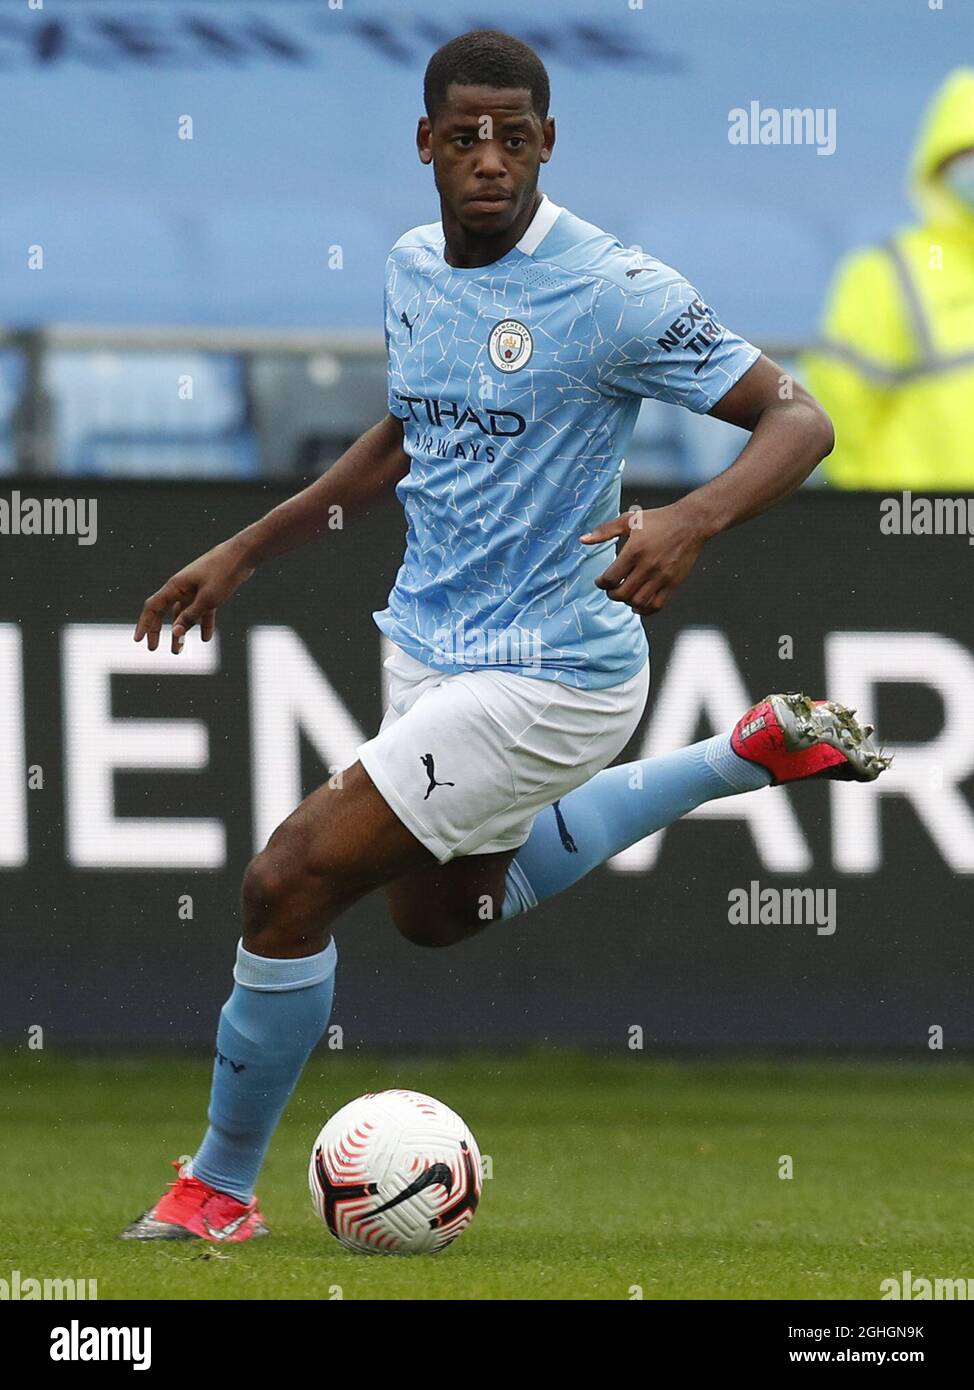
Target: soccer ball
x,y
395,1173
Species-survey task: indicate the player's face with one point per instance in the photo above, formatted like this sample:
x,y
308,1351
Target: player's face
x,y
486,148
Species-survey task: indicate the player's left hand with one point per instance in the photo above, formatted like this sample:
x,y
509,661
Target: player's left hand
x,y
661,549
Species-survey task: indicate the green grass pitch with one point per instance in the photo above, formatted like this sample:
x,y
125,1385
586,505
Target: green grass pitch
x,y
609,1174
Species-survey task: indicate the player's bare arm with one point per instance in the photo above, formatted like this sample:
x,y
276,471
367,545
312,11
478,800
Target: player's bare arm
x,y
365,472
789,438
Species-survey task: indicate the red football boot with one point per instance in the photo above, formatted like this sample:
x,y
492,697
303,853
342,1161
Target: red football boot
x,y
191,1210
795,737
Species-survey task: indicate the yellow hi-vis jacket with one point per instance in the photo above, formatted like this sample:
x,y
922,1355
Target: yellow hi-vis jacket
x,y
895,364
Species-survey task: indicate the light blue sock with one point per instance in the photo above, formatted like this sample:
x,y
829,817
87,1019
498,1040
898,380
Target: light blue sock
x,y
618,807
268,1027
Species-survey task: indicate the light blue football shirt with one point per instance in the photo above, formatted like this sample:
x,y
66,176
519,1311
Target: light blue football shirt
x,y
518,384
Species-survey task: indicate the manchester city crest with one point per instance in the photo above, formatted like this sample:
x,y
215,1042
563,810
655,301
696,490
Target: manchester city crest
x,y
510,346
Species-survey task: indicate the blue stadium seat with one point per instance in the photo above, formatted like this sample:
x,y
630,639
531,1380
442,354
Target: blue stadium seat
x,y
123,414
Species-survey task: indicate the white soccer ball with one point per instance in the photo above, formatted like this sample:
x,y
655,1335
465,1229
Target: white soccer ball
x,y
395,1173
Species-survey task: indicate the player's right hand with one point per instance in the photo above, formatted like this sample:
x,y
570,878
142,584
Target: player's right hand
x,y
194,595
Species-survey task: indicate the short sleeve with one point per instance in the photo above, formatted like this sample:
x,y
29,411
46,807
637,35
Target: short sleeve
x,y
667,343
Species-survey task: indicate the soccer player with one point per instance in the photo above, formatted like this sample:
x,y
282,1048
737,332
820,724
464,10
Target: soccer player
x,y
520,342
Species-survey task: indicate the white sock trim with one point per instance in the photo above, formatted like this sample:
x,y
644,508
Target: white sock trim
x,y
731,768
519,896
266,973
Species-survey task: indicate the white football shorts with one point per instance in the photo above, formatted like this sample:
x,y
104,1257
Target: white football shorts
x,y
467,761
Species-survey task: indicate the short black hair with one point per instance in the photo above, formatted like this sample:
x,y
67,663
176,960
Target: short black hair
x,y
486,58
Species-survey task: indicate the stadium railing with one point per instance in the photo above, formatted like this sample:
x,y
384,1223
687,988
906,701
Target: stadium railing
x,y
207,403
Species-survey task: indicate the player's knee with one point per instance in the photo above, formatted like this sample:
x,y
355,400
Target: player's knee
x,y
434,929
432,934
290,896
268,889
286,906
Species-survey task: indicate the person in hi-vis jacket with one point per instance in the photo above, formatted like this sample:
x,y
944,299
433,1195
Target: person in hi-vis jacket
x,y
894,366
